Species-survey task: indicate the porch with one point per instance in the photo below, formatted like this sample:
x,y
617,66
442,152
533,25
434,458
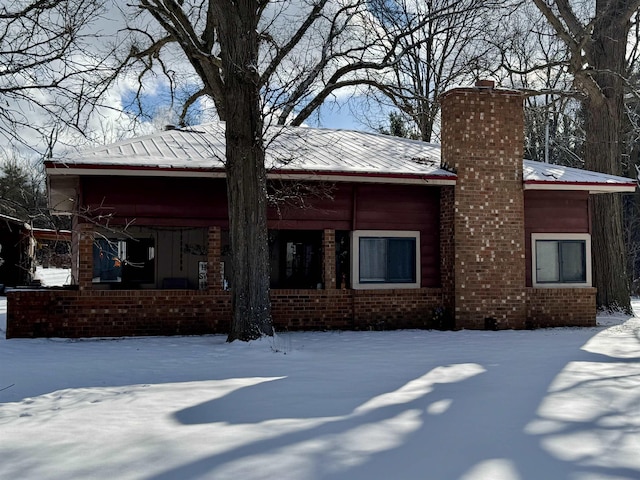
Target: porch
x,y
104,303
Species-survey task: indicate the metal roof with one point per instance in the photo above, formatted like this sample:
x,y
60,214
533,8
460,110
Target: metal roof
x,y
312,153
295,151
546,176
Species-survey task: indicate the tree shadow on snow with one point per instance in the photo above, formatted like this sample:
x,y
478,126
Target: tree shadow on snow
x,y
511,417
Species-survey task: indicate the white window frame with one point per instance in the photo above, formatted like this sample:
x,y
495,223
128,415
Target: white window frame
x,y
355,258
561,236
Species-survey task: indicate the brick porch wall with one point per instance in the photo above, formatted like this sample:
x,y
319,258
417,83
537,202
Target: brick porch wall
x,y
55,313
109,313
561,307
104,313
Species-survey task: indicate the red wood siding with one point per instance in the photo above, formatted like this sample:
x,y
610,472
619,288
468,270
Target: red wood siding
x,y
553,212
202,202
395,207
374,207
154,201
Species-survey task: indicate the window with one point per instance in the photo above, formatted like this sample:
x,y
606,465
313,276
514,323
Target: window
x,y
296,258
129,262
561,260
385,259
107,260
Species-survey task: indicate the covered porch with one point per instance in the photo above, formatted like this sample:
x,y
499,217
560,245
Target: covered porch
x,y
155,296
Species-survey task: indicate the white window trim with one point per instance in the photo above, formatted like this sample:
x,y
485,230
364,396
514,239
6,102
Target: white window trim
x,y
355,258
561,236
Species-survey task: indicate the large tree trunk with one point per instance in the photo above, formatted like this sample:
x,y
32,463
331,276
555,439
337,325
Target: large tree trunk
x,y
246,176
604,151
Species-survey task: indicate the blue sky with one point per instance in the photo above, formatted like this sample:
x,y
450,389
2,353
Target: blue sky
x,y
334,113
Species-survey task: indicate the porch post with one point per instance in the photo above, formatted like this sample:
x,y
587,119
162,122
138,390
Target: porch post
x,y
214,274
329,259
85,256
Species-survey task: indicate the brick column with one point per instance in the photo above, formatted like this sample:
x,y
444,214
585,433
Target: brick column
x,y
447,247
214,275
482,140
85,256
75,243
329,259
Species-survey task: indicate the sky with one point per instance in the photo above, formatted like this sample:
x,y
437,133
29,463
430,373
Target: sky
x,y
111,121
413,404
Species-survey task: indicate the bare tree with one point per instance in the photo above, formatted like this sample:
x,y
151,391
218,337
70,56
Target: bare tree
x,y
533,59
220,40
46,63
450,47
596,36
311,50
358,44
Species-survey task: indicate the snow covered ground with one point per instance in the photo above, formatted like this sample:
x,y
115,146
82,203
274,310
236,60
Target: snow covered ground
x,y
52,277
507,405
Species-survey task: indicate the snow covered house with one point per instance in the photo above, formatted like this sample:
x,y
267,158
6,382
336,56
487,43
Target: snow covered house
x,y
377,232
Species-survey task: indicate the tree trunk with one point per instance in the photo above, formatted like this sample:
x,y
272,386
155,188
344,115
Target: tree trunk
x,y
603,154
245,169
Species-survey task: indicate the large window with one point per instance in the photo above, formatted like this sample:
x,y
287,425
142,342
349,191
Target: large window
x,y
561,260
385,259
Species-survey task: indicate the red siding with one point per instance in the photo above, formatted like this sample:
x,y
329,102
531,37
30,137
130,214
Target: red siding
x,y
175,201
553,212
202,202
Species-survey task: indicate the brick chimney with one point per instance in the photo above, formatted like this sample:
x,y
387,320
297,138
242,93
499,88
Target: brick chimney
x,y
482,140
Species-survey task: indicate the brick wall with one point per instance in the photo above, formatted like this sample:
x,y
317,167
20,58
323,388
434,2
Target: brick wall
x,y
329,258
106,313
561,307
85,256
56,313
214,274
447,247
482,141
109,313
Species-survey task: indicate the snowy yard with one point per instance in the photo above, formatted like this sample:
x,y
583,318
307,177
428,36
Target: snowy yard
x,y
545,404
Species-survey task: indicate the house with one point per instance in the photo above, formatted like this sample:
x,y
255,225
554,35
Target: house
x,y
53,247
22,246
366,231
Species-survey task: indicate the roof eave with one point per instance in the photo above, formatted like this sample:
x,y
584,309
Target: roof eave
x,y
364,177
590,187
89,170
53,169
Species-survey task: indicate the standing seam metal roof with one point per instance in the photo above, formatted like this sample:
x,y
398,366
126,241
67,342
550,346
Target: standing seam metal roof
x,y
288,149
301,149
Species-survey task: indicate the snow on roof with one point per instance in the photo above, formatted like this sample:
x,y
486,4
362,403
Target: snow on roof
x,y
17,221
290,150
317,152
545,176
